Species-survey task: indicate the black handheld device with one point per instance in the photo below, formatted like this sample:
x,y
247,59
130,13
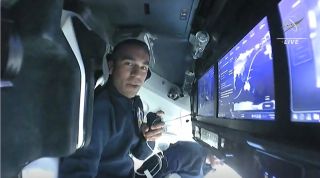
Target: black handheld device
x,y
153,119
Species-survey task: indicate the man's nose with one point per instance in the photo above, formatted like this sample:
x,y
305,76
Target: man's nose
x,y
135,71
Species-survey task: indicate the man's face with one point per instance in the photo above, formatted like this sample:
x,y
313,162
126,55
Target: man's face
x,y
129,69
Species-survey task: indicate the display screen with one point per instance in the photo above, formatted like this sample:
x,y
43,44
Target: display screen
x,y
206,94
301,26
246,83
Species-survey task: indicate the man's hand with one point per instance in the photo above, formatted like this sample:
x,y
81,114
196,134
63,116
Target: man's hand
x,y
214,161
152,133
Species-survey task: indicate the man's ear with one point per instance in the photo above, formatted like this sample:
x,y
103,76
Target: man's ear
x,y
111,66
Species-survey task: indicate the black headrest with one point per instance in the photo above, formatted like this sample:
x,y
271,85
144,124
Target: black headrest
x,y
40,111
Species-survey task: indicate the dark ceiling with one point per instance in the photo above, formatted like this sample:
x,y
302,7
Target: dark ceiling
x,y
169,21
172,22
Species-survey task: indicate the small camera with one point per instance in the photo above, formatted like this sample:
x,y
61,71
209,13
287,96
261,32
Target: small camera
x,y
174,93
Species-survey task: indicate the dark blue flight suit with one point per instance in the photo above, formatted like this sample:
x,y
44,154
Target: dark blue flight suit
x,y
115,134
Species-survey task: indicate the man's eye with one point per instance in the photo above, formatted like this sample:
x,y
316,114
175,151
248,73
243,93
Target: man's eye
x,y
128,63
144,67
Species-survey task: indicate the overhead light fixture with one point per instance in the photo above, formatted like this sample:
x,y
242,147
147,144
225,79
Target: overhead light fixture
x,y
199,43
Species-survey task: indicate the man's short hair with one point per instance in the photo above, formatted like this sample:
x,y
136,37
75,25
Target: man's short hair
x,y
128,42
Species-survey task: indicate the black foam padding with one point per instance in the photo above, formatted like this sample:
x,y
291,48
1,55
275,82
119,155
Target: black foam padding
x,y
40,113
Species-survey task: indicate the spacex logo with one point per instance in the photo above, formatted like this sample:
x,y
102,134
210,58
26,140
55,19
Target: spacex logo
x,y
291,26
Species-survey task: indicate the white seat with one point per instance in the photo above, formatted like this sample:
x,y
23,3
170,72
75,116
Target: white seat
x,y
43,167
